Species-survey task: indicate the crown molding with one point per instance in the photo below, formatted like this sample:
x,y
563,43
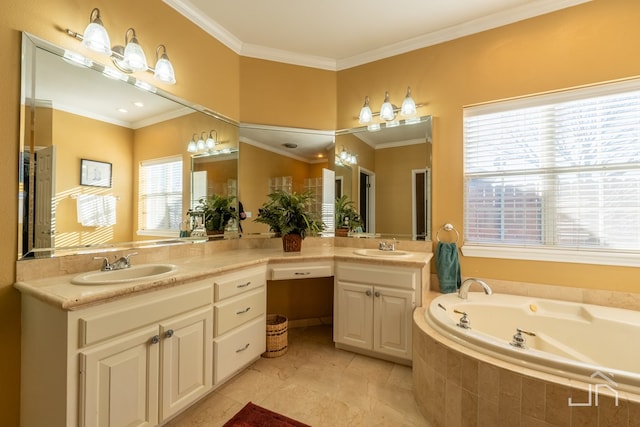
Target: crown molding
x,y
499,19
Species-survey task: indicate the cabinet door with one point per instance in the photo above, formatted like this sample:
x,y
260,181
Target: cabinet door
x,y
393,310
355,312
119,381
186,359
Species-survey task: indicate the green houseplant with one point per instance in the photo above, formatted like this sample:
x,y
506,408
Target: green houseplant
x,y
287,215
347,218
216,211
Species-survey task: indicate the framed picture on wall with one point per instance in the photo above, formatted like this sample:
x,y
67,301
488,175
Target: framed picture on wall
x,y
94,173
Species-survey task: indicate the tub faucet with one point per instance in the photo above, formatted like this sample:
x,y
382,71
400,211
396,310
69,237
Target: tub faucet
x,y
464,288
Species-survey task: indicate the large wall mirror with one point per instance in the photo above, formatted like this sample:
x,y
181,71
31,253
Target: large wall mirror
x,y
386,173
87,133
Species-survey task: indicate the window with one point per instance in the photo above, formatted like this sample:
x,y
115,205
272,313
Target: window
x,y
160,197
555,173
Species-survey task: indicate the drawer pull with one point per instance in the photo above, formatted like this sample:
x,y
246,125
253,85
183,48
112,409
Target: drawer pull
x,y
155,339
243,311
244,285
240,350
302,273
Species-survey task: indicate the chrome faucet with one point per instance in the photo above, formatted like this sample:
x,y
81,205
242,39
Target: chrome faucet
x,y
387,246
118,264
464,288
123,262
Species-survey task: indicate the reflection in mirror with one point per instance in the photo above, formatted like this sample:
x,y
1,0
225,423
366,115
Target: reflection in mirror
x,y
73,111
391,182
278,158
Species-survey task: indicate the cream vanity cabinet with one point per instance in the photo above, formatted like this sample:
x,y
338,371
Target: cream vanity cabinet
x,y
373,307
129,362
239,320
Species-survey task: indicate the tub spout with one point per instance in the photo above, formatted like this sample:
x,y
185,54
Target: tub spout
x,y
464,288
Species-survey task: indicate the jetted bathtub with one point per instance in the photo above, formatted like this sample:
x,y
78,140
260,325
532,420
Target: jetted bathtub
x,y
572,340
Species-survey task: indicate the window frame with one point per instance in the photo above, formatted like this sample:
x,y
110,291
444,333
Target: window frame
x,y
159,232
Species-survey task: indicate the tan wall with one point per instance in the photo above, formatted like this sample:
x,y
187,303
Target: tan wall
x,y
75,138
581,45
287,95
394,187
218,175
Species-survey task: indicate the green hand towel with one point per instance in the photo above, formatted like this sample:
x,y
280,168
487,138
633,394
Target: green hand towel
x,y
448,267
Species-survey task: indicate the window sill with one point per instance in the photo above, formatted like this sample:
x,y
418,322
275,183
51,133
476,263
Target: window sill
x,y
158,233
626,259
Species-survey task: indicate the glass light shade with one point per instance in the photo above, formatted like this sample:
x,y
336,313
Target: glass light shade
x,y
210,142
191,147
164,70
386,109
344,155
200,144
134,57
365,113
95,36
408,105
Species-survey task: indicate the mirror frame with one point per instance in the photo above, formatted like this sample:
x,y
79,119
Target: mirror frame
x,y
30,44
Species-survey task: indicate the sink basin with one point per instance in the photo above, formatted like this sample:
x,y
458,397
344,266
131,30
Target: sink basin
x,y
126,275
381,254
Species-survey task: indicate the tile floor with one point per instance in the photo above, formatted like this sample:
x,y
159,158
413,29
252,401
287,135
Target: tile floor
x,y
315,384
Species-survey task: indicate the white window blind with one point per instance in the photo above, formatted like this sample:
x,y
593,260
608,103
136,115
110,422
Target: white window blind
x,y
160,195
558,170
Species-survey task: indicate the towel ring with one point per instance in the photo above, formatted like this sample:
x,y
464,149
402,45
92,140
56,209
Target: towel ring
x,y
448,227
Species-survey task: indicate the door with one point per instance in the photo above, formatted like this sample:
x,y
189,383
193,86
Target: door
x,y
420,203
119,381
44,217
186,360
355,311
393,310
367,200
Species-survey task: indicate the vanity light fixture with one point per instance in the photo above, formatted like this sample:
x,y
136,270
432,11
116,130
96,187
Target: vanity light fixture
x,y
387,110
203,143
128,58
347,158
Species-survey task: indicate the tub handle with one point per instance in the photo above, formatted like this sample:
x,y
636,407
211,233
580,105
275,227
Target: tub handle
x,y
464,322
519,341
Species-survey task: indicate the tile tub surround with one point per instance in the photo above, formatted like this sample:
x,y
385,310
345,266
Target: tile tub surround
x,y
456,386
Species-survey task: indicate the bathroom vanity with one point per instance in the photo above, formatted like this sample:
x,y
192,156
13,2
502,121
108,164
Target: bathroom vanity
x,y
140,352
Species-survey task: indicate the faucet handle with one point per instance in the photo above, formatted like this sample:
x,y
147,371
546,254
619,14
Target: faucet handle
x,y
464,322
106,265
127,256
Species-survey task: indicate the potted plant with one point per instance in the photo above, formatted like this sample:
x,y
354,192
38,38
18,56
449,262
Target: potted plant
x,y
287,215
216,211
347,218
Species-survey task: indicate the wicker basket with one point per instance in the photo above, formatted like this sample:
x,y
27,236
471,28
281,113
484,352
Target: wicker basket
x,y
277,341
292,242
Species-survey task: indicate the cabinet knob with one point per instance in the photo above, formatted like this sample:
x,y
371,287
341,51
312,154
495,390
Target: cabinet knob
x,y
377,294
169,333
155,339
368,293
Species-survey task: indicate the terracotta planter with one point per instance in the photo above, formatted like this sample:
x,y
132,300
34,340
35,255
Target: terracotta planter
x,y
342,232
292,242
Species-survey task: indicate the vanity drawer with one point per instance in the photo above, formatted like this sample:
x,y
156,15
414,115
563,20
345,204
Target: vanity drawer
x,y
397,277
103,323
229,285
238,348
301,270
236,311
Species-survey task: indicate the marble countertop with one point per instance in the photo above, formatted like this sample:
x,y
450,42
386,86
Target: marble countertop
x,y
60,292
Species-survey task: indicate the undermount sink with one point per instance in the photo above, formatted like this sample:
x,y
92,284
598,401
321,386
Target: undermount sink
x,y
380,253
126,275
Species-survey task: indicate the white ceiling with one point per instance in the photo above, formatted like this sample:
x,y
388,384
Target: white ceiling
x,y
339,34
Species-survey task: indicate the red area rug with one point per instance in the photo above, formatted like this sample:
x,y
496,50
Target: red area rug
x,y
255,416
